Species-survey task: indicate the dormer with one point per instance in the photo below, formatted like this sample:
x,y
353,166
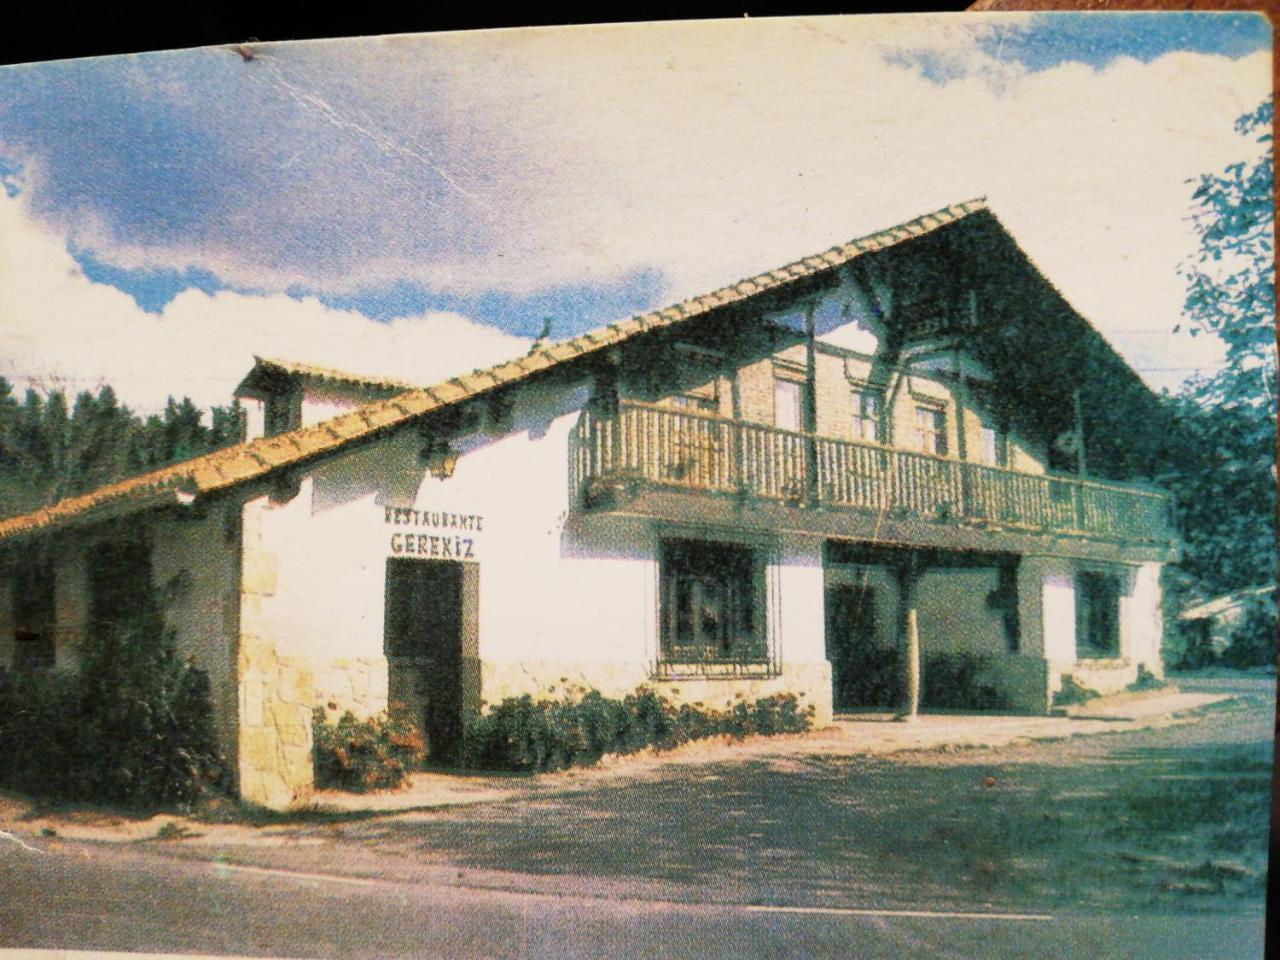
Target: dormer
x,y
281,395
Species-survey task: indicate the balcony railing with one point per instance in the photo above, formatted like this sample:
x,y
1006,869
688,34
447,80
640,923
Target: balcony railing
x,y
671,448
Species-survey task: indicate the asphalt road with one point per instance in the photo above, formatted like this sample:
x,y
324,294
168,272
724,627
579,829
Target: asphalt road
x,y
914,855
98,898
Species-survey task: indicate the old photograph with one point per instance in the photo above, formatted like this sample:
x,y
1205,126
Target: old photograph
x,y
773,487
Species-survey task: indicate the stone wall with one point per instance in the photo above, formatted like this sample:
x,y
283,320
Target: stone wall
x,y
277,683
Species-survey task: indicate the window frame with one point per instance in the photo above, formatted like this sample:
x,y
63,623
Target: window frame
x,y
999,444
1087,614
941,442
792,381
690,563
859,420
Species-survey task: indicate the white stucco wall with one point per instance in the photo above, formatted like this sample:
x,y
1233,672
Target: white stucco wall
x,y
953,612
195,568
562,597
70,600
1047,613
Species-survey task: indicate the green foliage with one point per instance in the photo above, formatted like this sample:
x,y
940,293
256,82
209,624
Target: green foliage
x,y
1073,692
1253,641
1146,680
953,681
869,676
133,726
1220,453
872,677
359,755
48,452
1230,282
523,733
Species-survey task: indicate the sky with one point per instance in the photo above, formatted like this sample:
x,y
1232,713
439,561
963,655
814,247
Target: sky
x,y
418,205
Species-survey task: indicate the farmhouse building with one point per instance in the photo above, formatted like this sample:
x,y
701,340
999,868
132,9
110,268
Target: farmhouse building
x,y
752,491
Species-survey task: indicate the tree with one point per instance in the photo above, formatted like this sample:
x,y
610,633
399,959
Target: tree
x,y
1231,290
48,452
1220,461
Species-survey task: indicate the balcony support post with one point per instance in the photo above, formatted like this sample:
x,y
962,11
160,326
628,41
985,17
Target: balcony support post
x,y
810,406
909,639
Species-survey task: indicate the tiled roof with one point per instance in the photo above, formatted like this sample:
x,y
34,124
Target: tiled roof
x,y
228,467
307,371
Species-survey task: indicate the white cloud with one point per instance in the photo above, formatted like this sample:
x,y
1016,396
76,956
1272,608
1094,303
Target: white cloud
x,y
57,328
706,151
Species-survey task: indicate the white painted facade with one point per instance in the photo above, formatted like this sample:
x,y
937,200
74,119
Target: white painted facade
x,y
279,587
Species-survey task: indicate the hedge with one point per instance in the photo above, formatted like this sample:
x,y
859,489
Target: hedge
x,y
523,733
132,726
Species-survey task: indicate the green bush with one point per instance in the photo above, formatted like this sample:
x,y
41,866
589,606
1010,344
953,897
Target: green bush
x,y
1073,692
868,676
132,726
522,733
953,681
1253,640
370,754
1146,680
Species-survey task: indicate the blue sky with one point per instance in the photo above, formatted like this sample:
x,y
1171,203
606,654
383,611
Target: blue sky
x,y
588,174
1045,41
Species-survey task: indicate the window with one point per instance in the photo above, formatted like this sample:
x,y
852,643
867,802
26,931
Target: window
x,y
33,610
711,594
788,404
995,446
1097,614
931,429
866,415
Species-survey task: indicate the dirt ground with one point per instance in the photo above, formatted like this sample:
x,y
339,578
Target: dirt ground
x,y
1162,806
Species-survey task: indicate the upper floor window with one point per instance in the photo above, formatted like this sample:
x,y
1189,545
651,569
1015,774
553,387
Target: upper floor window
x,y
931,429
994,448
788,404
867,406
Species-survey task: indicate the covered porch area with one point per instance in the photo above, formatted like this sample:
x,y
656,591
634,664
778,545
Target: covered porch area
x,y
911,627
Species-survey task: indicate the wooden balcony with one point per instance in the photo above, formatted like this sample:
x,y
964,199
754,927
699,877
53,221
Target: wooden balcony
x,y
645,446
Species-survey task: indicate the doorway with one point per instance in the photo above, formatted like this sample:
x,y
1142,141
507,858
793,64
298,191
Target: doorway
x,y
863,673
429,637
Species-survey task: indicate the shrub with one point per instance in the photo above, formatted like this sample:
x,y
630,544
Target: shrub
x,y
359,755
1146,680
133,725
522,733
1253,640
868,676
953,681
1072,692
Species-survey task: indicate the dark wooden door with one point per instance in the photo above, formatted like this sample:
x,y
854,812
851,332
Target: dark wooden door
x,y
851,647
424,638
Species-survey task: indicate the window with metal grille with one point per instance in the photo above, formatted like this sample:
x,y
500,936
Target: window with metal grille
x,y
710,603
